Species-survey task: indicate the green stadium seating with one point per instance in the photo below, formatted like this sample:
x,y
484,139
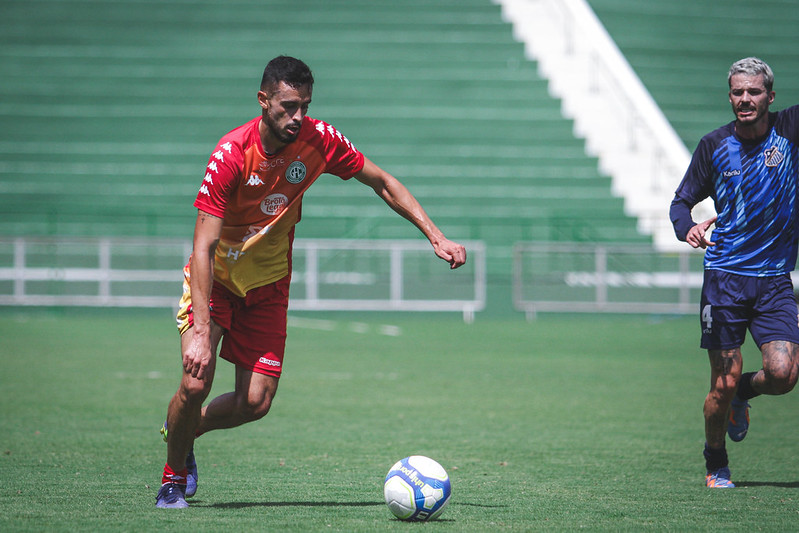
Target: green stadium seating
x,y
109,111
682,50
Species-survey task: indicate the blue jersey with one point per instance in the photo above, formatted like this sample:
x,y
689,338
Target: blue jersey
x,y
754,187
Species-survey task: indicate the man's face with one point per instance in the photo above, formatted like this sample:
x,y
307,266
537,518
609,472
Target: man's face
x,y
283,110
750,99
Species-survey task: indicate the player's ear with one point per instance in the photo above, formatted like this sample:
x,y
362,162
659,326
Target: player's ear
x,y
263,100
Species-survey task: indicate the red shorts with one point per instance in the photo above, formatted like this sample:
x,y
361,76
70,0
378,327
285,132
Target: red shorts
x,y
255,325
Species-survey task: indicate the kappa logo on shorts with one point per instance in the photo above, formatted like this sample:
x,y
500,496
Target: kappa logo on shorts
x,y
296,172
269,362
773,157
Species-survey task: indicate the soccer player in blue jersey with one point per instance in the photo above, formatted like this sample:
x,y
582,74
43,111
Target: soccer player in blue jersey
x,y
750,168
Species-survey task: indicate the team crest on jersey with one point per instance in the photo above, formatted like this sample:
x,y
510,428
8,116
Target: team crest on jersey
x,y
773,157
274,204
296,172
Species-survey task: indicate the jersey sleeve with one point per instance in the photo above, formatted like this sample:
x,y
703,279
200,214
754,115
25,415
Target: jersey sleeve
x,y
696,185
789,124
342,159
221,173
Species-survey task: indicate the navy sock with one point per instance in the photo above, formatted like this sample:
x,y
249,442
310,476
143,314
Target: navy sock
x,y
715,458
745,389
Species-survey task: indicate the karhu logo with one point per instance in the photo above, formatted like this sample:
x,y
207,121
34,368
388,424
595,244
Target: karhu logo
x,y
773,157
254,180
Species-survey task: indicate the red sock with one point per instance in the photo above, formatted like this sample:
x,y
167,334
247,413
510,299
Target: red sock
x,y
174,477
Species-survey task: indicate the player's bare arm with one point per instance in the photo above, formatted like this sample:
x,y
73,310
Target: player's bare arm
x,y
198,350
397,196
697,235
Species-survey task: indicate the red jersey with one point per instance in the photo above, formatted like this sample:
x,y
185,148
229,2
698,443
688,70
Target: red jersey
x,y
259,197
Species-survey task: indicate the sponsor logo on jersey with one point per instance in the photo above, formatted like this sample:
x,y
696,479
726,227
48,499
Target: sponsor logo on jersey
x,y
274,204
731,173
773,157
296,172
267,164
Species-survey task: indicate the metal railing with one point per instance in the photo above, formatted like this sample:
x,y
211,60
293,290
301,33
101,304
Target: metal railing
x,y
352,275
605,278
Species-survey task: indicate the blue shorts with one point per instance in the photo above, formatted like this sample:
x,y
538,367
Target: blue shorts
x,y
732,303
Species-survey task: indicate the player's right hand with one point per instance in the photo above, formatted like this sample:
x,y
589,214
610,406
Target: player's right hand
x,y
197,355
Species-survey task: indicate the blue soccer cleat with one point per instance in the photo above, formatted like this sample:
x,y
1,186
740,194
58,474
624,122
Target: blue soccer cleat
x,y
739,419
191,479
191,465
719,479
171,496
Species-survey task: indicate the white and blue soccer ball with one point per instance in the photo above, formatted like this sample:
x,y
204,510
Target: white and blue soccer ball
x,y
417,488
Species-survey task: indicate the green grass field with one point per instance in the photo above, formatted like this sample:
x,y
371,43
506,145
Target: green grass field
x,y
568,422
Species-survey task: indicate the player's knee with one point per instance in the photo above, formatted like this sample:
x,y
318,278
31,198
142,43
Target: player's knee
x,y
253,409
782,381
194,391
724,387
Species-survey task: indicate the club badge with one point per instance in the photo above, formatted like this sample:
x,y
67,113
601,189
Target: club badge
x,y
296,172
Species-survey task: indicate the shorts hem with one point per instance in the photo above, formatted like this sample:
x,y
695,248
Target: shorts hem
x,y
253,368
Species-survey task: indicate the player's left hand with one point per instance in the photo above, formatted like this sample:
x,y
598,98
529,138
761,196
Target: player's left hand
x,y
696,235
451,252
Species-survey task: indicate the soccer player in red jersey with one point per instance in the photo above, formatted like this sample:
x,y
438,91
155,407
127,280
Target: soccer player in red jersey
x,y
236,283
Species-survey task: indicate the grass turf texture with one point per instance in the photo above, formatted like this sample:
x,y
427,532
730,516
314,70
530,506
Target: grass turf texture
x,y
564,423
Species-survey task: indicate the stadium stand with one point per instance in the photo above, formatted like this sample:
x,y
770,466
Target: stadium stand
x,y
110,109
682,49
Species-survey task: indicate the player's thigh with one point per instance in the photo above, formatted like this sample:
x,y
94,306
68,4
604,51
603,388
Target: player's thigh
x,y
775,315
725,367
256,338
724,311
192,384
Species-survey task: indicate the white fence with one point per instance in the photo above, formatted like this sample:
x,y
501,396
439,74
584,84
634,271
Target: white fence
x,y
351,275
604,278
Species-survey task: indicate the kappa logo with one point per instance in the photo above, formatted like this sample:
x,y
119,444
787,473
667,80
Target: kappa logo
x,y
773,157
254,180
296,172
274,204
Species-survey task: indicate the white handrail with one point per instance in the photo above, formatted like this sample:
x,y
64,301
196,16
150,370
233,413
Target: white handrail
x,y
612,109
97,272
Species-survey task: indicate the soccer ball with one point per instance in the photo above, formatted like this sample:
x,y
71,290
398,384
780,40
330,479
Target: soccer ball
x,y
417,488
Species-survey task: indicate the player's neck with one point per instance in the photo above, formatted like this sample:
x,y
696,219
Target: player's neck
x,y
751,132
269,144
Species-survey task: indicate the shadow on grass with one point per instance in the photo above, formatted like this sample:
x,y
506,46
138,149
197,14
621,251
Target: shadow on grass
x,y
779,484
245,505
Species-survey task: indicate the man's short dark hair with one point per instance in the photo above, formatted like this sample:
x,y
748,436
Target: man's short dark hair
x,y
287,69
